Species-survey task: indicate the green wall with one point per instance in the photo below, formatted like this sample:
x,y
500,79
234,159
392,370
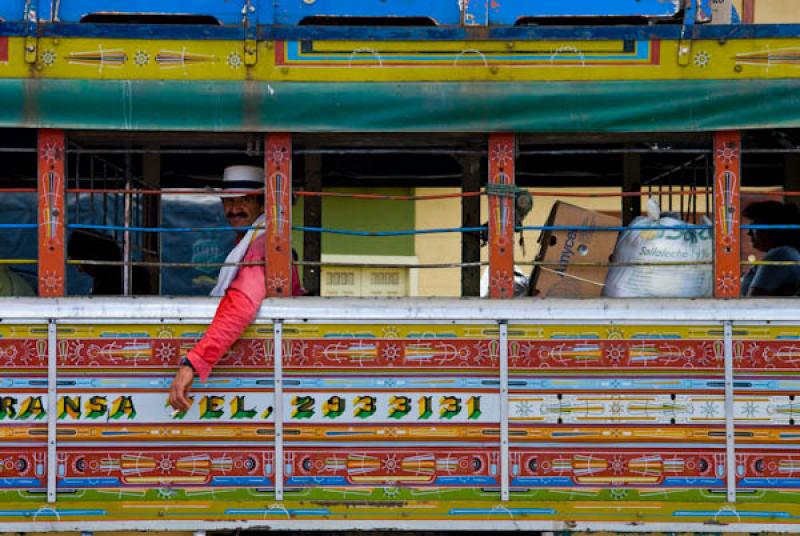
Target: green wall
x,y
362,215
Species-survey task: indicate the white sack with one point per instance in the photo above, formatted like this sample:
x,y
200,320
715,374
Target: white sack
x,y
662,245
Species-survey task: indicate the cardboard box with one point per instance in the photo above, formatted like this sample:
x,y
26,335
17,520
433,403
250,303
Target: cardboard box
x,y
564,279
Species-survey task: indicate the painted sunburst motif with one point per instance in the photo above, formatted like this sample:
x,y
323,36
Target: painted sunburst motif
x,y
48,57
141,58
390,332
391,352
277,283
702,59
52,153
728,152
727,282
278,154
234,60
614,333
502,155
51,284
166,353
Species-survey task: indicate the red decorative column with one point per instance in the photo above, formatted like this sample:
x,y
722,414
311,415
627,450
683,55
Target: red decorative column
x,y
278,208
727,214
502,153
50,184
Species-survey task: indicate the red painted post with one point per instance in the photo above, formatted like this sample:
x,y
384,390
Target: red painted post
x,y
278,207
502,155
50,185
727,214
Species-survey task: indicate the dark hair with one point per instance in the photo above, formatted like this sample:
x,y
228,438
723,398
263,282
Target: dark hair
x,y
775,213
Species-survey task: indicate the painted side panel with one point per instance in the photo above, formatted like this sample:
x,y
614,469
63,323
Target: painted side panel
x,y
322,60
610,422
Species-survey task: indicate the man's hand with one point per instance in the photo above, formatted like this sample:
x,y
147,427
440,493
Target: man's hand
x,y
179,391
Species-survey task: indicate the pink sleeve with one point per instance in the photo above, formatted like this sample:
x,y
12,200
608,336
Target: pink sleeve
x,y
236,311
256,289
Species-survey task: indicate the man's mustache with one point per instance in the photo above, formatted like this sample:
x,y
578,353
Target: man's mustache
x,y
235,214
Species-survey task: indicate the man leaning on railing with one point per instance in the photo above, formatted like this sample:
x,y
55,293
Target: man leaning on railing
x,y
242,287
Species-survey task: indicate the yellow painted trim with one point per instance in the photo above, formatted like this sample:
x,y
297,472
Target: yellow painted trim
x,y
357,61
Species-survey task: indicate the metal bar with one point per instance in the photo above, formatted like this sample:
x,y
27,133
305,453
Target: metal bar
x,y
164,310
51,212
416,266
622,151
504,435
727,246
278,207
631,183
151,209
126,235
312,217
730,432
277,345
676,169
52,416
502,156
444,151
470,217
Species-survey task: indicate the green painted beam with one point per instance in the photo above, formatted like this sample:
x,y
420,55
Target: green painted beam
x,y
643,106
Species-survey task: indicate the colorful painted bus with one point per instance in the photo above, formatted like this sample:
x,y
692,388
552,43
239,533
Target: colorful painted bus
x,y
398,413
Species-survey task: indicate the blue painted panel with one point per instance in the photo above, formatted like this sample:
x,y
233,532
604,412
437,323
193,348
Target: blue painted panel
x,y
225,11
509,12
11,10
443,12
476,13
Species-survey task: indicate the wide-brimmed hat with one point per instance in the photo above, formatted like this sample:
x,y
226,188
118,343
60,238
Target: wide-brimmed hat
x,y
238,180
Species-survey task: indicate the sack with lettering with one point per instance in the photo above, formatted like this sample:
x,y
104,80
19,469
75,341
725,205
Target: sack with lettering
x,y
664,244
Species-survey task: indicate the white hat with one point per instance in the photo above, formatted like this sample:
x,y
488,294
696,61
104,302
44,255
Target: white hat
x,y
242,179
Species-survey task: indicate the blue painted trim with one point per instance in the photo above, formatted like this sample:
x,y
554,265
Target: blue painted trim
x,y
357,33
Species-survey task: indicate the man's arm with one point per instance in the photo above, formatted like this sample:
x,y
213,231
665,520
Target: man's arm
x,y
235,312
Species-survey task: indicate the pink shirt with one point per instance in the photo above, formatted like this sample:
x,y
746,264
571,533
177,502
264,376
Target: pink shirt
x,y
236,310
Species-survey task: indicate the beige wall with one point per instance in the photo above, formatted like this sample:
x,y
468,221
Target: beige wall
x,y
774,11
438,248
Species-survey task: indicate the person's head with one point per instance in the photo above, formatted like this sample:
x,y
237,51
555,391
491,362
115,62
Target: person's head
x,y
772,213
91,245
241,208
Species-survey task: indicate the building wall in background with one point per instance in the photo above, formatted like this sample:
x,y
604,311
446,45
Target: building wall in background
x,y
773,11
